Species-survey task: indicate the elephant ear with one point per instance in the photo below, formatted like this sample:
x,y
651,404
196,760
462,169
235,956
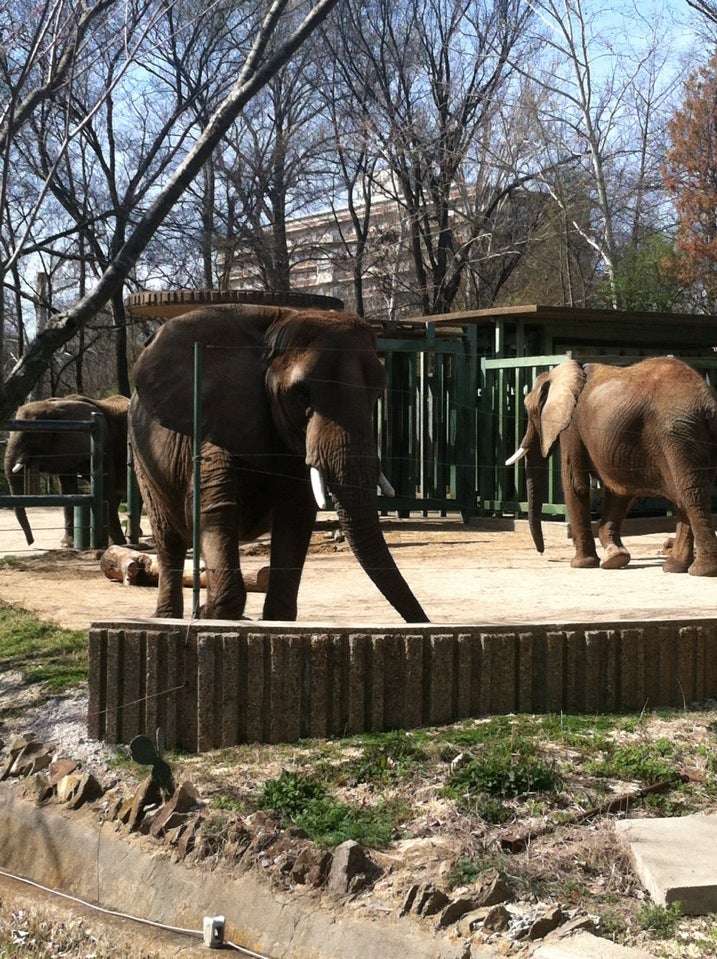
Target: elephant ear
x,y
232,342
559,394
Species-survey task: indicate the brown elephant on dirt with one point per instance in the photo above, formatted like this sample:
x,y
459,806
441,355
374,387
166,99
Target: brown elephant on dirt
x,y
67,455
649,429
287,406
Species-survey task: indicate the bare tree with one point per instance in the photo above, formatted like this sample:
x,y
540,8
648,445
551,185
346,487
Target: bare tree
x,y
262,61
604,109
429,78
268,169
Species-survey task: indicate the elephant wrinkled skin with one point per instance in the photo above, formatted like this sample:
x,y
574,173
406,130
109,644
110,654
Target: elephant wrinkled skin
x,y
67,455
285,394
649,429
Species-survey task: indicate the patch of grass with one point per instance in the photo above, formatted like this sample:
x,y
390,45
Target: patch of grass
x,y
649,762
305,802
504,773
228,803
659,922
389,758
43,652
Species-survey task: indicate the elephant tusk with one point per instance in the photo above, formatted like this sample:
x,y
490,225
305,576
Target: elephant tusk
x,y
318,488
518,455
385,486
17,467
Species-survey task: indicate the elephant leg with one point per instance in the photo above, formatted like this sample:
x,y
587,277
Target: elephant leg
x,y
614,510
699,516
171,556
577,502
220,511
114,525
69,487
682,551
291,530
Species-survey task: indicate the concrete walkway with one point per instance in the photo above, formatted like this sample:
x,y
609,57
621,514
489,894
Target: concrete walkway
x,y
676,859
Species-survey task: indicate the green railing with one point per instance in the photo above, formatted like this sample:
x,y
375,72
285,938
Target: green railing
x,y
426,429
502,423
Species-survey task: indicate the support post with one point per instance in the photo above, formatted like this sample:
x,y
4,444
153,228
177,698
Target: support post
x,y
196,494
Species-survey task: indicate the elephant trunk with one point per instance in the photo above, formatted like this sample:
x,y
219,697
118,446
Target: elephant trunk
x,y
537,486
360,524
17,488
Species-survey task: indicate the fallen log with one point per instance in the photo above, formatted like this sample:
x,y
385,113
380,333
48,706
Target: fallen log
x,y
135,568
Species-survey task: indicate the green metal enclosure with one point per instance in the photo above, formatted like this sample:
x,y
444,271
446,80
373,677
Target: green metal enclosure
x,y
454,409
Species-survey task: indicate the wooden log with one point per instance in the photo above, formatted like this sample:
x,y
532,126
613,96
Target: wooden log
x,y
135,568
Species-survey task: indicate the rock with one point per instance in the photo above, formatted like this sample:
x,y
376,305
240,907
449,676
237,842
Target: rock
x,y
174,812
470,921
32,758
578,924
66,786
38,789
454,911
490,889
187,836
426,900
87,789
546,923
60,768
311,866
148,794
351,869
497,919
409,899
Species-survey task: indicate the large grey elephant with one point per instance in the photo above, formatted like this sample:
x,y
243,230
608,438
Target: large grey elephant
x,y
67,455
649,429
287,404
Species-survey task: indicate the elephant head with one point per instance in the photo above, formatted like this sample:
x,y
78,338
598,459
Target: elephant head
x,y
550,406
67,454
323,382
286,393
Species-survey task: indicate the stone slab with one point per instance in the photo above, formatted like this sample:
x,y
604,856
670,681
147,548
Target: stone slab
x,y
676,859
583,945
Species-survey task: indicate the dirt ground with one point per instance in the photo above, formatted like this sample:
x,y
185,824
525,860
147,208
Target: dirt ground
x,y
477,573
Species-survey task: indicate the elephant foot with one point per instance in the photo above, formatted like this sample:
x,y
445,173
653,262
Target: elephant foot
x,y
672,565
616,557
585,562
707,567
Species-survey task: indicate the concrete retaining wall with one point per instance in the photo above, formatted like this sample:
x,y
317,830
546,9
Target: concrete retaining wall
x,y
210,684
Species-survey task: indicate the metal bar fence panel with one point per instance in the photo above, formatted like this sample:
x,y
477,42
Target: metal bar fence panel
x,y
94,500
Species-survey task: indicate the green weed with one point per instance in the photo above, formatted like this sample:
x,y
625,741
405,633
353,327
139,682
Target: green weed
x,y
660,922
307,803
392,757
502,772
649,762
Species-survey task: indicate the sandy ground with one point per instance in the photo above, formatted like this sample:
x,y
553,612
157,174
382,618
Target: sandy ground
x,y
460,574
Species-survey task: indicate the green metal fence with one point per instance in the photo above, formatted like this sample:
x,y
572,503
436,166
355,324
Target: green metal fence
x,y
427,427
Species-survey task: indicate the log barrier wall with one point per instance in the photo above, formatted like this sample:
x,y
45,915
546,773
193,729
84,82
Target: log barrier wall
x,y
211,684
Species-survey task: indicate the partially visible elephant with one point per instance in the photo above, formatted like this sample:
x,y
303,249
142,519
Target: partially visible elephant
x,y
287,406
67,455
649,429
